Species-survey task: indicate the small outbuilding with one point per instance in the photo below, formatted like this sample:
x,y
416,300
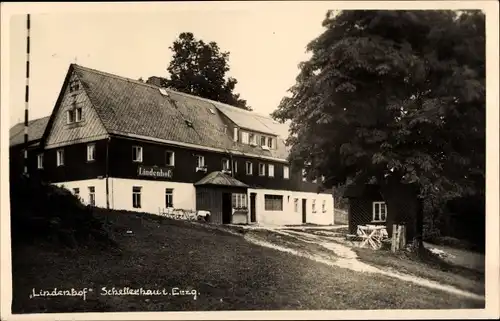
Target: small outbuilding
x,y
224,197
385,205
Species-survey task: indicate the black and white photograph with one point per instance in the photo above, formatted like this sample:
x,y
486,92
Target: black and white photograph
x,y
249,160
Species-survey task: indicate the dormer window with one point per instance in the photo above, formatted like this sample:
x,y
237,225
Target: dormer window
x,y
262,140
270,142
74,86
244,137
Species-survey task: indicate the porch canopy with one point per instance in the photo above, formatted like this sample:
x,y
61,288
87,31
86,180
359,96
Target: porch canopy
x,y
220,179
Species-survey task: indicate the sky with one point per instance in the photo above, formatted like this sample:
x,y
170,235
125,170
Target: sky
x,y
265,48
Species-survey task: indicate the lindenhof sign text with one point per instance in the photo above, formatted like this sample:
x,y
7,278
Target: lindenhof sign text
x,y
154,171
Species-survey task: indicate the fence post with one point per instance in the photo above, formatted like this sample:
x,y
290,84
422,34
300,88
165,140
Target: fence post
x,y
402,240
394,232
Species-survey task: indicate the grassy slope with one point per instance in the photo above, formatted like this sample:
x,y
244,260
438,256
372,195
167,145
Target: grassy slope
x,y
228,272
435,269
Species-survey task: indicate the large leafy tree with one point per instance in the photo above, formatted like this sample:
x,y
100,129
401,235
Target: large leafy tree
x,y
393,96
200,68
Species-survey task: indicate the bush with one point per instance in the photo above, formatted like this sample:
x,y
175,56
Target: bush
x,y
41,211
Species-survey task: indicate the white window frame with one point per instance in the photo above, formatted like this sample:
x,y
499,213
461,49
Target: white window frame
x,y
270,142
249,165
270,170
90,155
269,204
91,195
70,116
137,196
39,161
296,205
263,138
169,197
78,114
379,213
171,159
286,172
239,200
226,165
263,172
244,137
200,161
252,139
60,157
138,152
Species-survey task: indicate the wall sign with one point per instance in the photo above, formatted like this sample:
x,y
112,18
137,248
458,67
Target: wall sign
x,y
154,171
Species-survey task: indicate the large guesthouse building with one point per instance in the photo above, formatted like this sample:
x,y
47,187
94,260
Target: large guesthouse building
x,y
123,144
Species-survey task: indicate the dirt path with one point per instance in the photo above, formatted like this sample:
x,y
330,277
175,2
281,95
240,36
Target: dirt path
x,y
347,258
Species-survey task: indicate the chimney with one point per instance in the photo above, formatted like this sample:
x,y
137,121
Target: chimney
x,y
235,136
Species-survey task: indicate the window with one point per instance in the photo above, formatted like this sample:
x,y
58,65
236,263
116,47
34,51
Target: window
x,y
200,162
296,205
235,166
379,211
249,168
262,169
90,152
91,195
244,137
314,206
270,142
39,161
70,116
137,154
239,200
136,196
169,158
273,202
270,170
286,172
323,206
252,139
74,86
78,114
225,165
76,192
60,157
169,197
262,140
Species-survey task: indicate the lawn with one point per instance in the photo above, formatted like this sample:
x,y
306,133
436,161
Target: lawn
x,y
227,272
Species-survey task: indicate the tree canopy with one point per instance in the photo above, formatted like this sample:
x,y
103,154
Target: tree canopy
x,y
393,96
200,68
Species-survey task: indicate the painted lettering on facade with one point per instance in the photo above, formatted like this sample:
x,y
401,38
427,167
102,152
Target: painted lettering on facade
x,y
155,172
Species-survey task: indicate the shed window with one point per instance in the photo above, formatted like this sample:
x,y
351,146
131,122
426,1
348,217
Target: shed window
x,y
273,202
379,212
239,200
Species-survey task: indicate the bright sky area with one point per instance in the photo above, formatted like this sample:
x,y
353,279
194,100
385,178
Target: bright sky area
x,y
265,47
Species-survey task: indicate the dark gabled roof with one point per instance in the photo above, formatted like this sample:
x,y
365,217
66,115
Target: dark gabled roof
x,y
220,179
36,128
133,108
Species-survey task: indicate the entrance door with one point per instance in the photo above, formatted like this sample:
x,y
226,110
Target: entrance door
x,y
226,208
304,208
252,208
